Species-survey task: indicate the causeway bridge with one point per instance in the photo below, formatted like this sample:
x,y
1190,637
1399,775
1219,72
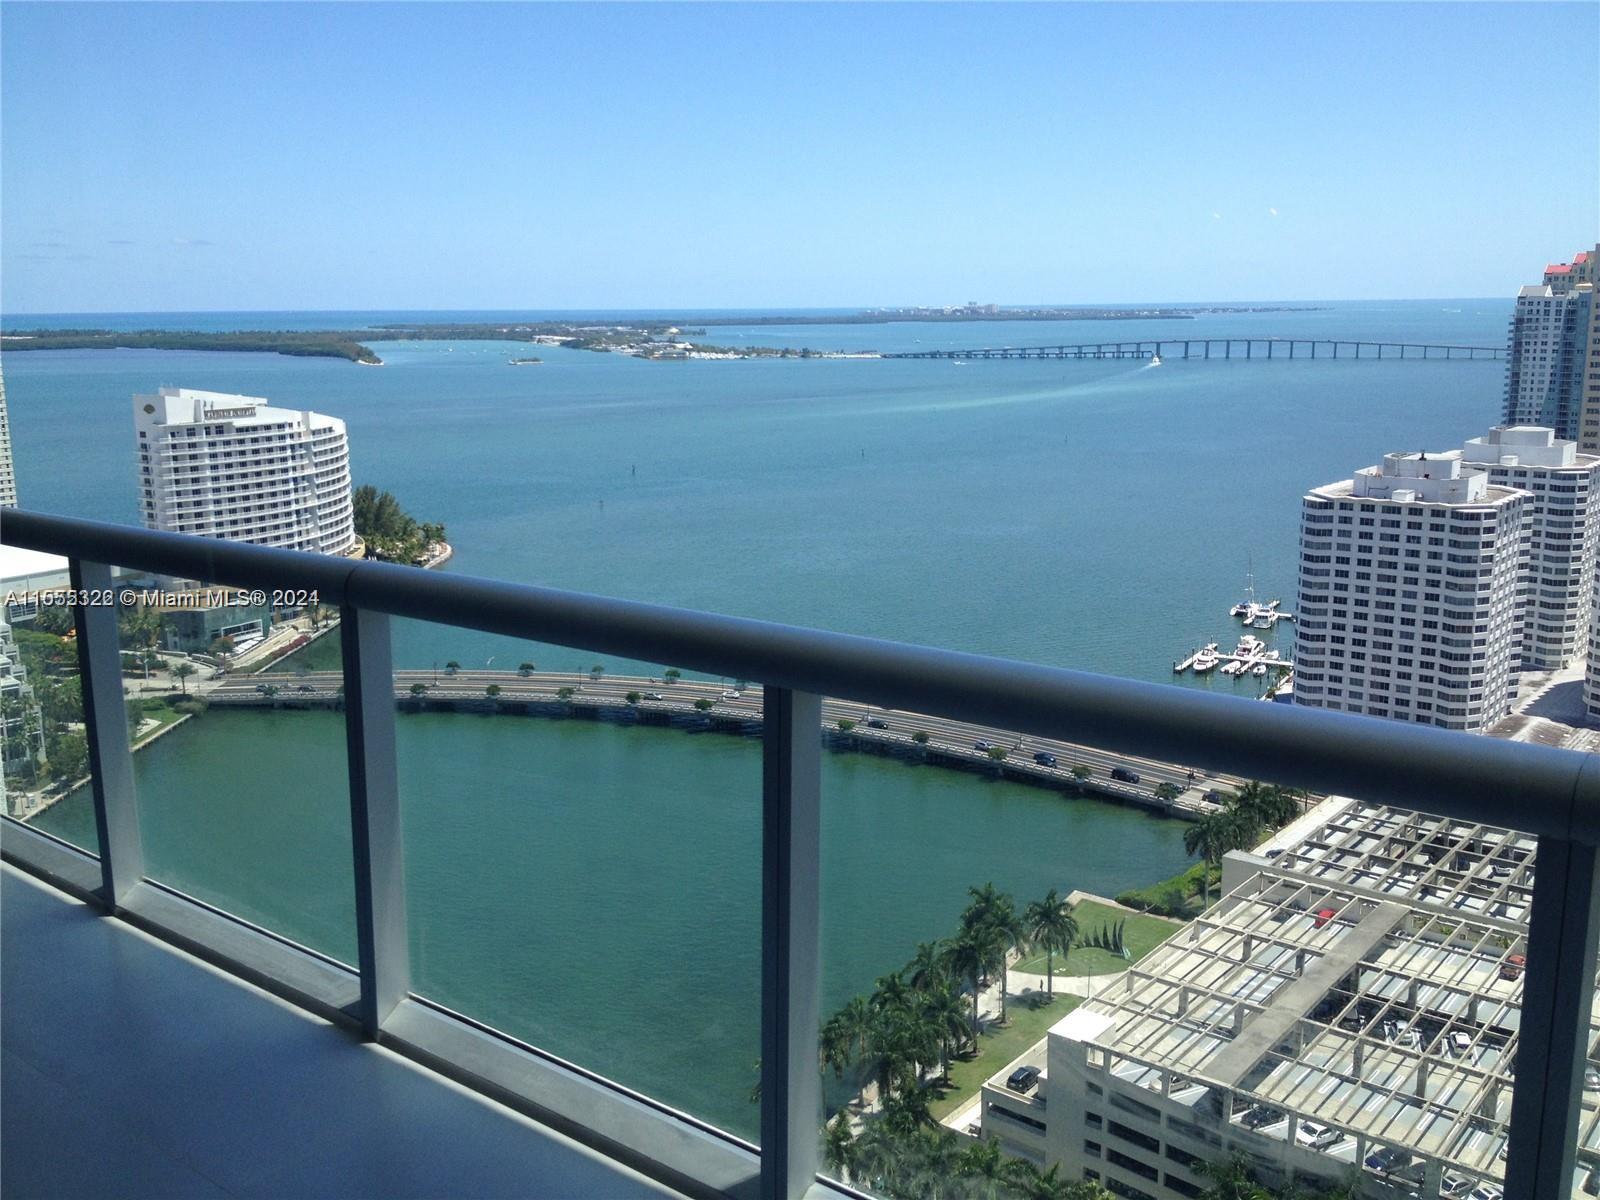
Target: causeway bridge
x,y
1226,348
946,742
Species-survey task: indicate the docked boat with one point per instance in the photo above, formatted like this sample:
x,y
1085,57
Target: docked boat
x,y
1206,659
1259,669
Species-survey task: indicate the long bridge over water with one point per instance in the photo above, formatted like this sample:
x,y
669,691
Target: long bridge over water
x,y
1226,348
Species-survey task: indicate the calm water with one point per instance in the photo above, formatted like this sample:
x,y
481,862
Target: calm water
x,y
1095,515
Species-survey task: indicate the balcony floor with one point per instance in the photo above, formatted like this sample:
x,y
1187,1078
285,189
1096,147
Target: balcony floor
x,y
128,1068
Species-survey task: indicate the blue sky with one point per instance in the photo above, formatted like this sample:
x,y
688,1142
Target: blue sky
x,y
176,157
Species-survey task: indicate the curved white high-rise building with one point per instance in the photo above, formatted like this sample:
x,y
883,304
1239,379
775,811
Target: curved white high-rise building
x,y
235,467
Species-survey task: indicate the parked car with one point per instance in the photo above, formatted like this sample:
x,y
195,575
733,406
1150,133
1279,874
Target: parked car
x,y
1123,775
1513,965
1324,915
1317,1135
1591,1079
1023,1079
1260,1116
1044,759
1460,1042
1388,1158
1488,1191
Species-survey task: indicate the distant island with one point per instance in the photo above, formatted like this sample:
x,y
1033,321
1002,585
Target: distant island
x,y
655,339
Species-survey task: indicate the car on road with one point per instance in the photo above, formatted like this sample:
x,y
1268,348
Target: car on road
x,y
730,694
654,696
982,747
1123,775
1024,1079
877,723
1045,759
1213,797
305,687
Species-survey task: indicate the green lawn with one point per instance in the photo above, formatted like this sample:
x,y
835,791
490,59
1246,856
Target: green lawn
x,y
1141,935
997,1048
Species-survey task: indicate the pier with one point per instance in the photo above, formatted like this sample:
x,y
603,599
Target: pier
x,y
1229,348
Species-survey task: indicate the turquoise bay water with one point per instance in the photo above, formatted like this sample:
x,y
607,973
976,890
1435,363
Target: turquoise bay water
x,y
1094,515
596,889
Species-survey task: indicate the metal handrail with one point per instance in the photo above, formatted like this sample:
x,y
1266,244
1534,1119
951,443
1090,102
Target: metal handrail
x,y
1538,789
1553,794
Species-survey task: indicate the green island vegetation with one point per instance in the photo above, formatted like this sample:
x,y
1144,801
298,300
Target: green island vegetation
x,y
306,345
391,533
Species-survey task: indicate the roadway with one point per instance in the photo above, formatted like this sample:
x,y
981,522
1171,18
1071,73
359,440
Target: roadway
x,y
890,728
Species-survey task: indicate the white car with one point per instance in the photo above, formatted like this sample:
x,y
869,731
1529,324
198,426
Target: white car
x,y
1460,1042
730,694
1488,1191
1317,1135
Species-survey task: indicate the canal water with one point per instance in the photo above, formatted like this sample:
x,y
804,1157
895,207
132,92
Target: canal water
x,y
594,888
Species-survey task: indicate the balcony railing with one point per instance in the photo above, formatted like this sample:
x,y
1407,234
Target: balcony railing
x,y
1553,794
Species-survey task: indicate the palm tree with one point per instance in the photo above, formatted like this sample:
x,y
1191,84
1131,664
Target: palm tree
x,y
526,669
983,1163
492,690
1209,839
966,959
181,673
1231,1180
833,1045
1267,804
993,918
451,667
838,1146
943,1008
928,967
1050,924
596,671
855,1020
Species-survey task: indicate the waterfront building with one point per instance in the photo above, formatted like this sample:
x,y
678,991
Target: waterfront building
x,y
1348,1011
8,473
1552,342
1562,532
1591,679
235,467
193,629
1408,593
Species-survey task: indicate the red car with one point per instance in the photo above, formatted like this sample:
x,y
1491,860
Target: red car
x,y
1512,967
1324,915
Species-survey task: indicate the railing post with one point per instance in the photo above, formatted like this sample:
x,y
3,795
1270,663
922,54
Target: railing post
x,y
791,936
375,834
105,718
1553,1036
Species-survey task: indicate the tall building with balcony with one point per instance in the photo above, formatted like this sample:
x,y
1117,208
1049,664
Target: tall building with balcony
x,y
8,473
1552,344
235,467
1562,533
1408,593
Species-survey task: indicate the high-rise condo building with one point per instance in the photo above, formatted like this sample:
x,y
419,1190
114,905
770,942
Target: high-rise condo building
x,y
234,467
1562,531
1408,593
8,474
1552,344
1591,679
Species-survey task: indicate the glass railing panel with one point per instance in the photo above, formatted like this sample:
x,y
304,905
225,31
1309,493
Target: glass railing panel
x,y
937,834
583,860
42,742
1295,991
241,774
